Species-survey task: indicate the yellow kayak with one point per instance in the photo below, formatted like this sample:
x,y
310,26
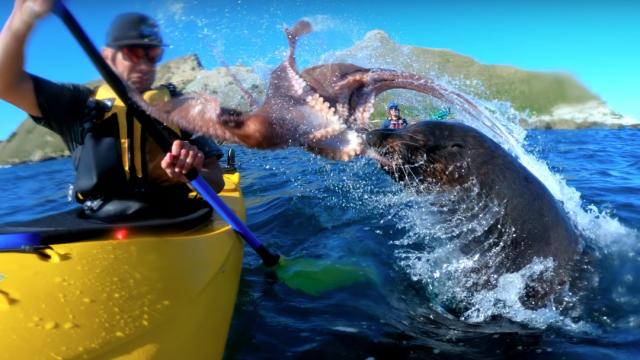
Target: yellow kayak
x,y
160,297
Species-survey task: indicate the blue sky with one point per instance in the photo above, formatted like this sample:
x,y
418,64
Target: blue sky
x,y
596,41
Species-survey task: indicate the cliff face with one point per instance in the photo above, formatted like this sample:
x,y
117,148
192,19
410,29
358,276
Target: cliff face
x,y
219,83
180,72
31,142
553,100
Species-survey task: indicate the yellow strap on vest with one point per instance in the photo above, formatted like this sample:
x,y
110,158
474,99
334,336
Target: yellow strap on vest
x,y
154,96
137,155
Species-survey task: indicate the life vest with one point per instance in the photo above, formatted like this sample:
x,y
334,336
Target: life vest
x,y
397,124
117,157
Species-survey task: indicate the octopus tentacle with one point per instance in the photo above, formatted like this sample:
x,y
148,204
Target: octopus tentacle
x,y
321,108
301,28
343,146
330,122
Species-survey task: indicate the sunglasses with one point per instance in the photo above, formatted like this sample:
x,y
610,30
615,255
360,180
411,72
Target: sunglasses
x,y
137,54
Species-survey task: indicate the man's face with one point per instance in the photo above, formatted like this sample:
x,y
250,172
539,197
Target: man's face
x,y
137,65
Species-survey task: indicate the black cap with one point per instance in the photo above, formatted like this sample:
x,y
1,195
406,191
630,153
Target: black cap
x,y
133,29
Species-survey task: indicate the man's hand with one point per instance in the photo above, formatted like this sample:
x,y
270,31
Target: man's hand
x,y
183,157
27,12
16,86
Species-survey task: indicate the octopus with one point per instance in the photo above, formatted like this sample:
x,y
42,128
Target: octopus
x,y
326,109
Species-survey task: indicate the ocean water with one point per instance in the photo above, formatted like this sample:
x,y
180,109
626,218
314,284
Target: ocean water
x,y
303,205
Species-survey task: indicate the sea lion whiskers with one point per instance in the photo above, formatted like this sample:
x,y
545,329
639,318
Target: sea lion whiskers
x,y
370,153
410,180
422,161
394,163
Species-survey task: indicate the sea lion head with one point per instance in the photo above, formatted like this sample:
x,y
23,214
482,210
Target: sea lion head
x,y
429,151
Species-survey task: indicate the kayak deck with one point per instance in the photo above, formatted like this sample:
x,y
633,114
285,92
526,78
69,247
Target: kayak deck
x,y
169,296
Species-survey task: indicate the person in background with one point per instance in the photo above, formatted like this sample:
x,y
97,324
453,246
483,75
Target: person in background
x,y
394,120
121,173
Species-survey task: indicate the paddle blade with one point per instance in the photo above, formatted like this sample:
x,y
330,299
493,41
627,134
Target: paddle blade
x,y
314,277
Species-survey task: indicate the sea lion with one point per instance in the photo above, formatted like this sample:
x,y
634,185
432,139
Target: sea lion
x,y
532,224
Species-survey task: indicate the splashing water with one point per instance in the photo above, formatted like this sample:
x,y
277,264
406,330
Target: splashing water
x,y
504,298
429,250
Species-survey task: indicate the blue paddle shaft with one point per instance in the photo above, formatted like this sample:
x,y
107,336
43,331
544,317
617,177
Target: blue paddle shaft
x,y
204,189
159,133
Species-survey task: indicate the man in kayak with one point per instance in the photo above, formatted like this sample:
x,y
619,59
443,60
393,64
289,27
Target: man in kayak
x,y
120,171
394,120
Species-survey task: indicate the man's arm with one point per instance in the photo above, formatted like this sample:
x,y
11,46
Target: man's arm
x,y
16,85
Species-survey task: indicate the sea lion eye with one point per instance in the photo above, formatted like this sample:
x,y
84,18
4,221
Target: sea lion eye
x,y
456,146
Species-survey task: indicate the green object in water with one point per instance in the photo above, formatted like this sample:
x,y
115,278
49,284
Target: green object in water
x,y
442,114
314,277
